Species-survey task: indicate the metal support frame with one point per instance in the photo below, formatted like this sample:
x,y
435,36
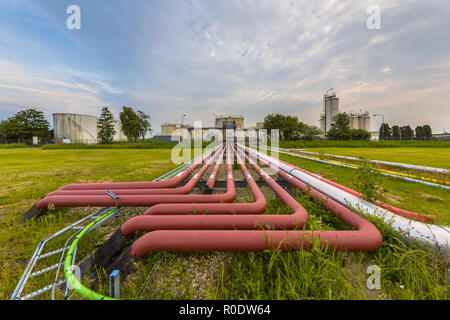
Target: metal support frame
x,y
37,256
114,284
77,227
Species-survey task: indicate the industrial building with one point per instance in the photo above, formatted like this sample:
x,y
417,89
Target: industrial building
x,y
330,110
230,122
358,120
260,125
80,128
221,122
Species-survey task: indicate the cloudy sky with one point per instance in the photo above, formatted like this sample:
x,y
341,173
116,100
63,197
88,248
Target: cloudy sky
x,y
247,57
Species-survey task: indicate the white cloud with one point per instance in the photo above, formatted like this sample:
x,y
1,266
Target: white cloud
x,y
251,57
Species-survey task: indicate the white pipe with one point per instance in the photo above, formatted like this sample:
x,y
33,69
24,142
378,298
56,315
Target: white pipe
x,y
278,150
437,236
392,164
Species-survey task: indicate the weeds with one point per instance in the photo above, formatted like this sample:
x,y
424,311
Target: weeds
x,y
368,182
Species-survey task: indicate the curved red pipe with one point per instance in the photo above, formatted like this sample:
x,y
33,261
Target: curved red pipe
x,y
256,207
366,237
169,183
141,200
187,188
222,222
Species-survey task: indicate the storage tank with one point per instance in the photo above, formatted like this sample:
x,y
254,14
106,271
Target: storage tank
x,y
229,121
74,128
353,121
360,121
366,122
119,135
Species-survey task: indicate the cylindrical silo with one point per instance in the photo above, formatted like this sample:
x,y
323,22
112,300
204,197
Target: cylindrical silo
x,y
76,128
366,121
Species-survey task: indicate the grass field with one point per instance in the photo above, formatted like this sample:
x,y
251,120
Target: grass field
x,y
407,272
431,157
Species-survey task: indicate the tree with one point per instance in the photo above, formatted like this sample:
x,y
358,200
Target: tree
x,y
307,132
24,125
106,129
428,132
407,132
420,133
134,125
145,126
274,121
360,134
396,133
290,128
385,132
287,125
340,127
10,130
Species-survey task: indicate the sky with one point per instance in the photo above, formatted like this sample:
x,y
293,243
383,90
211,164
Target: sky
x,y
245,57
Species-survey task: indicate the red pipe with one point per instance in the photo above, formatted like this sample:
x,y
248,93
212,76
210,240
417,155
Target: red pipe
x,y
400,212
365,238
169,183
223,222
213,176
256,207
187,188
141,200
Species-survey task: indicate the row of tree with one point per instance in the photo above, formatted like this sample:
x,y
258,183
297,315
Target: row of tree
x,y
31,122
135,125
290,127
405,132
340,129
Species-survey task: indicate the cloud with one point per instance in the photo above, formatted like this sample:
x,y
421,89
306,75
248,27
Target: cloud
x,y
251,57
51,92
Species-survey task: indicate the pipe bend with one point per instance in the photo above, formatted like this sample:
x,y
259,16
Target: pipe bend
x,y
187,188
169,183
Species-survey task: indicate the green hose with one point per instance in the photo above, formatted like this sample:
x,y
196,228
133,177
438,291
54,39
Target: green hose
x,y
71,280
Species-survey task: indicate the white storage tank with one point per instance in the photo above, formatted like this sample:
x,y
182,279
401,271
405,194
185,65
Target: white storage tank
x,y
366,121
119,135
76,128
